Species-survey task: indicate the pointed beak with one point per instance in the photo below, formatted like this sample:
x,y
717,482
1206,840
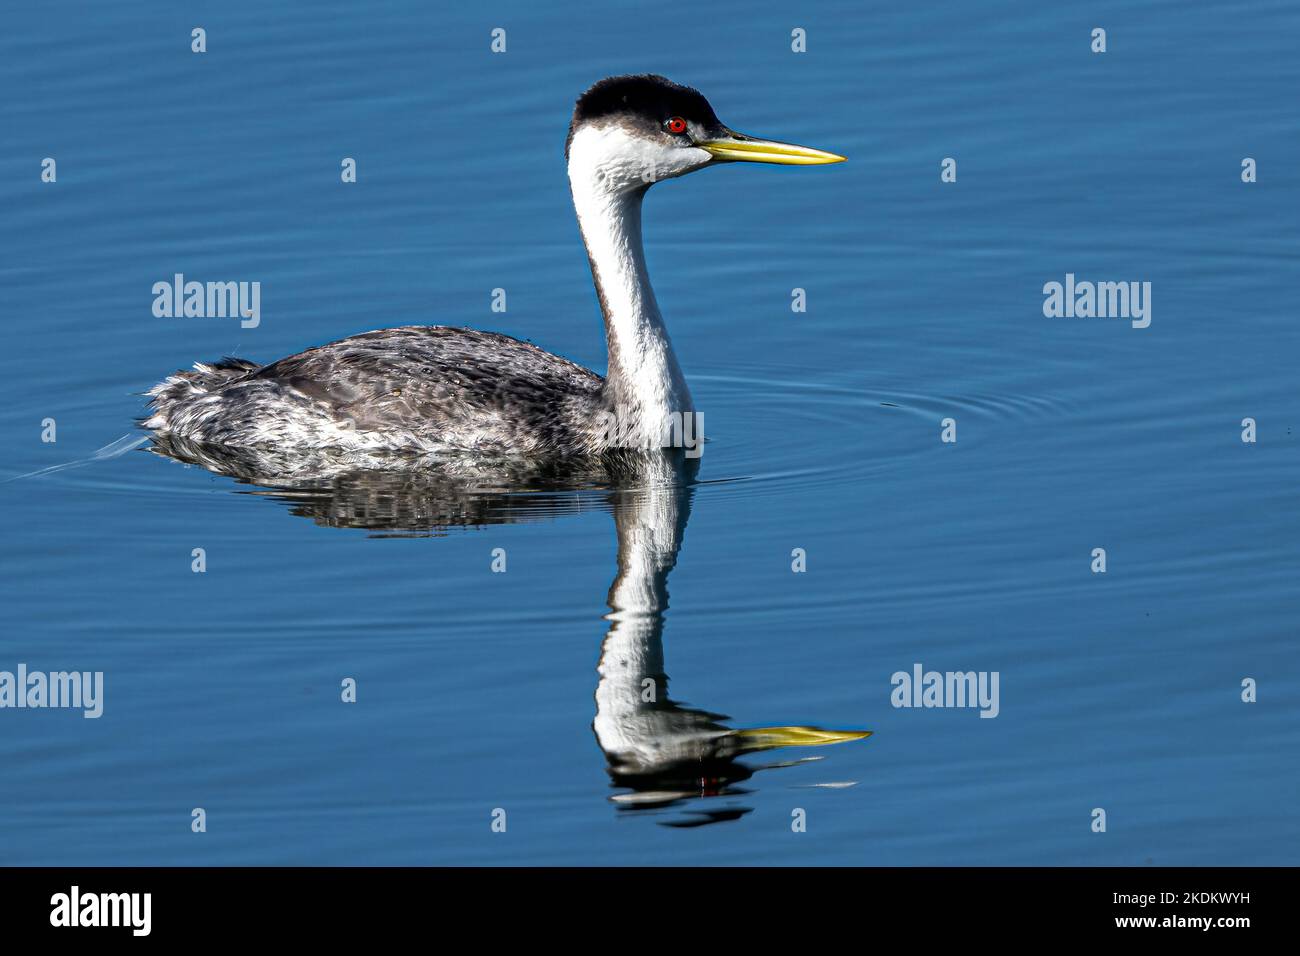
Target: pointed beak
x,y
767,738
738,148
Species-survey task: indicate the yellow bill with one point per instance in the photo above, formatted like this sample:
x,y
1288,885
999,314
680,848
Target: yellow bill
x,y
765,738
746,149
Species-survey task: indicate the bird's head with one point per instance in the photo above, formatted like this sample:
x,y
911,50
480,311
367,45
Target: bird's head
x,y
629,132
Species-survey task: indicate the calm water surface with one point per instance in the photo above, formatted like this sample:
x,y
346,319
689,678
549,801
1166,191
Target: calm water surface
x,y
479,690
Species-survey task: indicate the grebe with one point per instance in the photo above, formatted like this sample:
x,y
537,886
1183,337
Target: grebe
x,y
427,390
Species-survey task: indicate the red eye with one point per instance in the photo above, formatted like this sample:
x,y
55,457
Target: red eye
x,y
676,125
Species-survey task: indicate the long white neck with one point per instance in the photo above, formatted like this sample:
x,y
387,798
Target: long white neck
x,y
644,381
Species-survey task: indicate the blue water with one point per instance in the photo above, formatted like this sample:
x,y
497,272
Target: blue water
x,y
475,690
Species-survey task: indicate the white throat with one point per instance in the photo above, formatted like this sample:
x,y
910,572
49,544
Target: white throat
x,y
606,174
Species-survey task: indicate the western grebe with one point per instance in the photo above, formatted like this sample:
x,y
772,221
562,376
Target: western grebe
x,y
425,390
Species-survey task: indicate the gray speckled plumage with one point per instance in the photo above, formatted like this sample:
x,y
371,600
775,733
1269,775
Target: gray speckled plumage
x,y
414,390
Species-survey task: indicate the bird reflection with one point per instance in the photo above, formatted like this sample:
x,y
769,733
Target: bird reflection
x,y
335,491
660,753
